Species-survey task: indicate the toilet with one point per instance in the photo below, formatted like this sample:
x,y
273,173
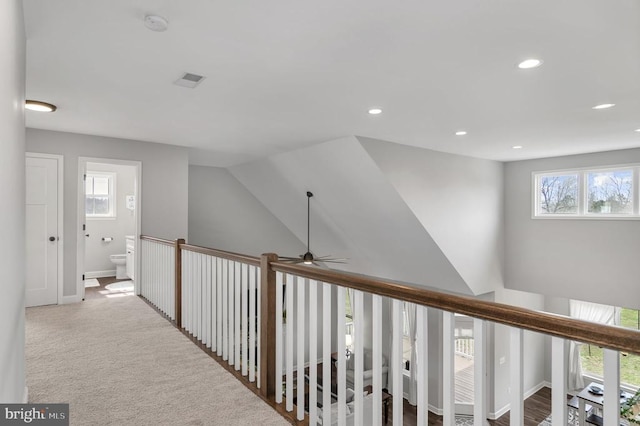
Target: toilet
x,y
120,260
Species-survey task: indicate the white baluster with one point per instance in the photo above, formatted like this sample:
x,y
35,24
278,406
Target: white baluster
x,y
207,299
237,332
376,314
313,352
232,315
214,303
422,372
326,353
258,307
252,327
516,415
219,306
300,287
611,385
341,362
559,382
289,287
396,359
245,319
480,373
198,282
279,342
448,370
358,326
225,309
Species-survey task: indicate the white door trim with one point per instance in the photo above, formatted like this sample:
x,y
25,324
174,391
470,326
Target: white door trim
x,y
82,167
60,159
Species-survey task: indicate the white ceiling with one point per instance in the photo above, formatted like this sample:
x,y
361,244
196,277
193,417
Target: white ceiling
x,y
282,74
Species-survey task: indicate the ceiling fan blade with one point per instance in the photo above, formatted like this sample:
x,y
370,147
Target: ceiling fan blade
x,y
288,258
333,260
329,257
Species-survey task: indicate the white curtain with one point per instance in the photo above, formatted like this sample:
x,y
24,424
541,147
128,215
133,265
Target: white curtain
x,y
593,312
410,314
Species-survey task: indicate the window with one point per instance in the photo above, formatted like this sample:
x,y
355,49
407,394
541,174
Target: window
x,y
592,356
587,193
100,195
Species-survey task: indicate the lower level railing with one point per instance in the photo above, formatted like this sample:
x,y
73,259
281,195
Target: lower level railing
x,y
281,328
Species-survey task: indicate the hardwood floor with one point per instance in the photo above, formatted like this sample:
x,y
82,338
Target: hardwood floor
x,y
101,292
536,408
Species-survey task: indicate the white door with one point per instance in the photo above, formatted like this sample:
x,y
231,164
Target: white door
x,y
42,231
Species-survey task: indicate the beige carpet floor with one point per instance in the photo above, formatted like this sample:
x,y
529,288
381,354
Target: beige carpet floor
x,y
117,362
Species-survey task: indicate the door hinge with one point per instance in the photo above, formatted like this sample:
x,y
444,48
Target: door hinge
x,y
84,177
84,227
82,277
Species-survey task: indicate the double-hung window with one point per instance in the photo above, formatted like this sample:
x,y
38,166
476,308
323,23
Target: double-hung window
x,y
100,195
594,193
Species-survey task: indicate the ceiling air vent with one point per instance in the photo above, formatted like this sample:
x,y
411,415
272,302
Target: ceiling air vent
x,y
189,80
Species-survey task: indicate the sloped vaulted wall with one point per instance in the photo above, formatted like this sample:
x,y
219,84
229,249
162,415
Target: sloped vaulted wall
x,y
459,202
359,212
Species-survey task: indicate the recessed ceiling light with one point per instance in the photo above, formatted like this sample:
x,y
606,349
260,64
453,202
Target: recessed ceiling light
x,y
375,111
156,23
529,63
604,106
39,106
461,133
517,147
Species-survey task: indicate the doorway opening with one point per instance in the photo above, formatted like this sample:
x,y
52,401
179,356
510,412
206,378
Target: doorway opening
x,y
109,225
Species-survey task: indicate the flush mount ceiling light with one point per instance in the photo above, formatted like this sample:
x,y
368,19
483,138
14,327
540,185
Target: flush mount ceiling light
x,y
529,63
375,111
461,133
603,106
308,258
637,130
517,147
156,23
39,106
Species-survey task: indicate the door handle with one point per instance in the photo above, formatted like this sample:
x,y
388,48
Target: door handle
x,y
52,239
86,235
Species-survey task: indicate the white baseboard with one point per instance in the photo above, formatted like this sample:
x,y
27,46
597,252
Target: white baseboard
x,y
70,299
100,274
25,397
527,394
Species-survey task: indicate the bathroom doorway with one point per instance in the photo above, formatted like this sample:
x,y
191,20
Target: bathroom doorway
x,y
108,227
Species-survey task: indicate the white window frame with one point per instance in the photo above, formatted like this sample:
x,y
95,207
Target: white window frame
x,y
582,207
112,196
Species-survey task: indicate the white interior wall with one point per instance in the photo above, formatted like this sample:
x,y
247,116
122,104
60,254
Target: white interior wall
x,y
223,214
571,258
534,351
457,199
97,252
165,180
12,207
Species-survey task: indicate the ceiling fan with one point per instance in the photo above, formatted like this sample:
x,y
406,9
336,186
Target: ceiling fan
x,y
308,258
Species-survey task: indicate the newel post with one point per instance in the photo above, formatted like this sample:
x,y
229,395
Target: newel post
x,y
268,326
178,280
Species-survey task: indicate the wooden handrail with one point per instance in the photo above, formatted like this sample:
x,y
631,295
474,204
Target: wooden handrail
x,y
236,257
158,240
611,337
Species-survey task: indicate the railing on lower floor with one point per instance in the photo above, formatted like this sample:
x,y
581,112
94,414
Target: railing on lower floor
x,y
286,324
